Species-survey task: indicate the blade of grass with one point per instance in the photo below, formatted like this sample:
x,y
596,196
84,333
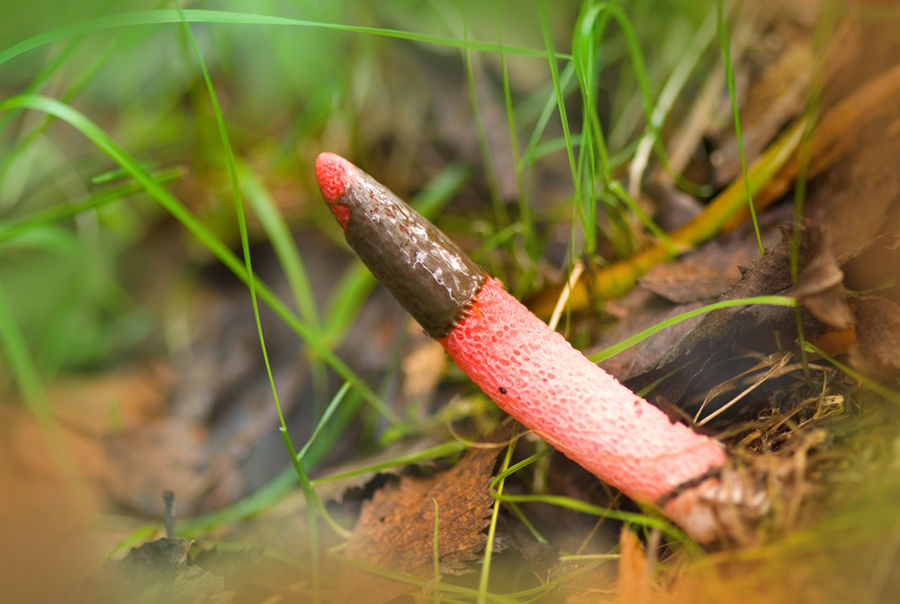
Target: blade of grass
x,y
9,229
526,217
57,62
628,342
622,195
824,29
329,411
650,521
732,95
460,595
282,243
588,33
284,482
85,76
435,452
157,17
501,216
882,391
42,78
497,487
530,154
90,130
675,83
559,95
587,37
351,291
435,551
308,491
291,263
325,434
620,277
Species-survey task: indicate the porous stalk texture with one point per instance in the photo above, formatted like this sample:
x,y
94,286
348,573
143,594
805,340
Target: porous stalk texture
x,y
536,376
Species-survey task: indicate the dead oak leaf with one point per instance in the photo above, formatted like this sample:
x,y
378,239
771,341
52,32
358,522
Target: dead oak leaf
x,y
878,334
159,571
634,578
698,276
720,329
820,288
396,528
688,281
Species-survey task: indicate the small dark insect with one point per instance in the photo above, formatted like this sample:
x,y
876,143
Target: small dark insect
x,y
502,390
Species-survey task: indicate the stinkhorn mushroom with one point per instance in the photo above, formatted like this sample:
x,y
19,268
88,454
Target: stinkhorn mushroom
x,y
528,369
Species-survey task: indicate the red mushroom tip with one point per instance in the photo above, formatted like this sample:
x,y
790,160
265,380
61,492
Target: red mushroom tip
x,y
333,174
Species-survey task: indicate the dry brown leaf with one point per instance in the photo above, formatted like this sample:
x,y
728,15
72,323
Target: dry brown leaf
x,y
702,274
777,96
117,433
878,334
158,571
770,275
47,522
396,528
634,578
820,289
422,369
170,454
861,197
835,134
645,355
687,281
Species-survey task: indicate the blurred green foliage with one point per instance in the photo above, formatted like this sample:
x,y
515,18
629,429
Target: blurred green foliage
x,y
78,286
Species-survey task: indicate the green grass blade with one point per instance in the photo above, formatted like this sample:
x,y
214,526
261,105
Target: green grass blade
x,y
615,349
622,195
10,229
497,486
283,244
882,391
551,55
442,450
199,230
329,411
501,217
157,17
530,154
308,491
435,551
526,216
652,521
84,78
351,292
675,83
732,94
23,369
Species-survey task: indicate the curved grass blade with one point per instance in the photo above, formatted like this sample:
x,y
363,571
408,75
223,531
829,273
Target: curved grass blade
x,y
308,492
157,17
11,229
732,94
90,130
615,349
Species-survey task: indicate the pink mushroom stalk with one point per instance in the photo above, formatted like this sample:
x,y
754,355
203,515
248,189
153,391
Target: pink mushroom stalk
x,y
529,370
